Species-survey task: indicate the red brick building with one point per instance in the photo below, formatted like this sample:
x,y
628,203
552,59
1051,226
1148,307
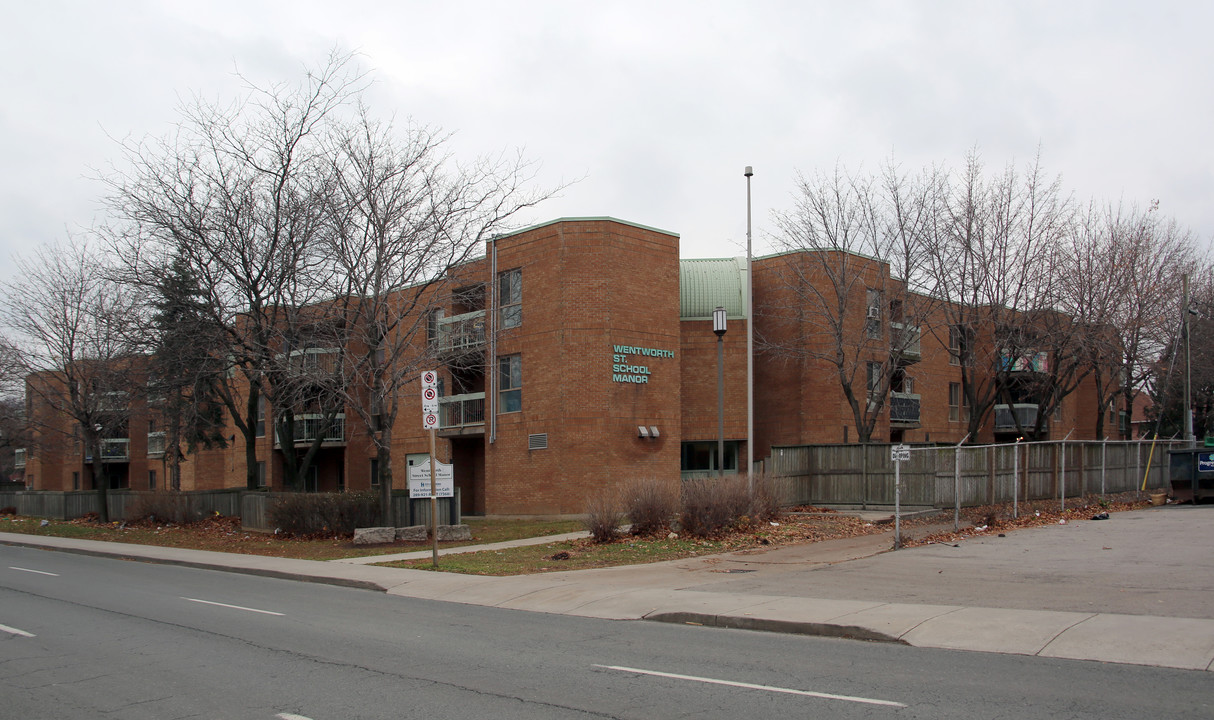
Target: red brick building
x,y
574,355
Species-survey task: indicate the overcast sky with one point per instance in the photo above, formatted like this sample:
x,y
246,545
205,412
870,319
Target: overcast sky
x,y
657,106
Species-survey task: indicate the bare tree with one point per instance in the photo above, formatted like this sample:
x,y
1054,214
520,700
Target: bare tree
x,y
848,284
240,193
72,329
993,249
404,213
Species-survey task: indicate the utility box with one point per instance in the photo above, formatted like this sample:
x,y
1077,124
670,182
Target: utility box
x,y
1191,473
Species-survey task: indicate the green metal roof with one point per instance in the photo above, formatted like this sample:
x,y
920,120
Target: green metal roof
x,y
706,284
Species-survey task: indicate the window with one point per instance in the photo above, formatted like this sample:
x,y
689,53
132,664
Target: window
x,y
432,325
261,417
151,479
374,472
152,426
958,345
954,402
510,383
75,480
261,473
702,456
510,297
872,314
875,377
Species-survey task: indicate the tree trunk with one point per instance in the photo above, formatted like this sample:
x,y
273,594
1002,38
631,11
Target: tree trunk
x,y
384,458
100,483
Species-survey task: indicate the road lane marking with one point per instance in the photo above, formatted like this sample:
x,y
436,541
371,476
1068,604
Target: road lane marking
x,y
290,716
15,631
40,572
234,607
752,686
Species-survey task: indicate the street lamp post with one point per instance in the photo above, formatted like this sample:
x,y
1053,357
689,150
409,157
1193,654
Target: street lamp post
x,y
718,327
750,347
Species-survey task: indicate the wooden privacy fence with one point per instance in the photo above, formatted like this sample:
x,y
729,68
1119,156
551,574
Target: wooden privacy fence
x,y
251,507
935,475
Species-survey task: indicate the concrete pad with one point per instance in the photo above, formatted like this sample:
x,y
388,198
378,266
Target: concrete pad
x,y
626,605
1024,632
438,586
894,619
556,599
809,609
1138,640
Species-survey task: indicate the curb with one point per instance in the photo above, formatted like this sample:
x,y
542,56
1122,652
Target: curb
x,y
262,572
788,627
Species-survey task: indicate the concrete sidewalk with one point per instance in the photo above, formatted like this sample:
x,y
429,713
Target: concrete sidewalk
x,y
1133,589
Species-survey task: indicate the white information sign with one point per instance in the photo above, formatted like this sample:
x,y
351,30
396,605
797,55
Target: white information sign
x,y
430,421
419,480
899,453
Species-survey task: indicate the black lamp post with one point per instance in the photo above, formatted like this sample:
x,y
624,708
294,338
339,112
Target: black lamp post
x,y
718,327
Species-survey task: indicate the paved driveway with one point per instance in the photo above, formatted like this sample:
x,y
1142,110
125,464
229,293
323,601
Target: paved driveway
x,y
1158,561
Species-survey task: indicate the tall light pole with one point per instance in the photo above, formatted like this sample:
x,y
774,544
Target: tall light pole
x,y
718,327
1189,438
750,347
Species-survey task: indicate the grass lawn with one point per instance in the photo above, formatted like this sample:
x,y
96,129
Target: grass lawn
x,y
584,554
224,535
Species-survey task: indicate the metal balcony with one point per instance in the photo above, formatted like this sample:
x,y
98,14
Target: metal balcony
x,y
905,343
904,409
308,427
461,334
461,411
1026,413
112,450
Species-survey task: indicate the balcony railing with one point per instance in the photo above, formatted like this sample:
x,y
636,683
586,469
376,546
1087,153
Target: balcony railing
x,y
113,401
19,458
112,450
156,444
1037,362
906,341
904,408
461,333
458,411
308,427
1005,421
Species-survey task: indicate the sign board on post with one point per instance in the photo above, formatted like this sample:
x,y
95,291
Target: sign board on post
x,y
419,480
899,453
430,400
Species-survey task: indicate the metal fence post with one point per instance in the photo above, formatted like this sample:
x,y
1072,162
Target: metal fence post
x,y
1016,479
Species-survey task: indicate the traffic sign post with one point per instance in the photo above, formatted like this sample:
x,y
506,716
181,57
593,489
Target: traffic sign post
x,y
429,380
898,454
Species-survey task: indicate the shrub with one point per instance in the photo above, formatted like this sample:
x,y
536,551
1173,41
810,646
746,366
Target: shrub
x,y
649,505
162,506
8,510
765,504
327,513
603,515
712,505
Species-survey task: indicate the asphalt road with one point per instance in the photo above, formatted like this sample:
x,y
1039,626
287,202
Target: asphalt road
x,y
87,637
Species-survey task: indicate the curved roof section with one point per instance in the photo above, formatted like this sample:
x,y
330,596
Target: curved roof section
x,y
705,284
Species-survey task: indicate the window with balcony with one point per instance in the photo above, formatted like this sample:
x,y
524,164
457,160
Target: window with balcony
x,y
510,383
510,297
